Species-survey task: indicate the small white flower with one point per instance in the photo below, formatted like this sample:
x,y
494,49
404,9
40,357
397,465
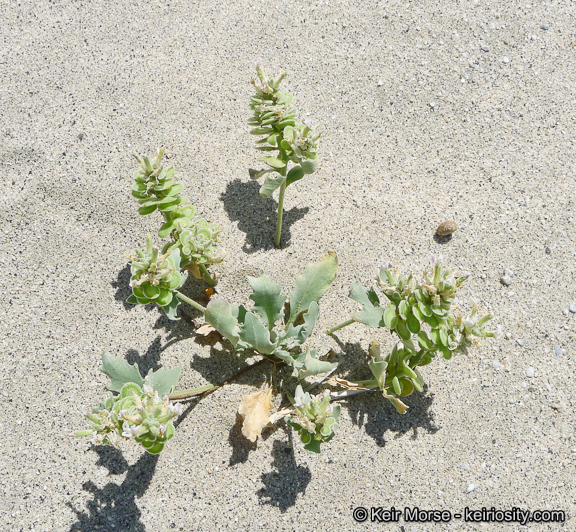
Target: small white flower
x,y
130,431
176,408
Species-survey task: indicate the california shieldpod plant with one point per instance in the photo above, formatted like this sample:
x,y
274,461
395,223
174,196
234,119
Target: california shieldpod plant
x,y
294,141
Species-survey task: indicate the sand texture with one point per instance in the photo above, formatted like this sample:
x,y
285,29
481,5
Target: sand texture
x,y
430,111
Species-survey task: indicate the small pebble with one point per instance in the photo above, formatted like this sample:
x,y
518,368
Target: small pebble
x,y
548,251
446,228
505,59
507,336
471,488
544,27
530,372
559,351
485,48
496,365
548,387
408,251
519,341
573,309
506,280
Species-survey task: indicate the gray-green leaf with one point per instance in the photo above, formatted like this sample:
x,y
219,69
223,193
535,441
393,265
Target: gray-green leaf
x,y
163,380
219,315
312,284
270,185
268,301
120,372
256,334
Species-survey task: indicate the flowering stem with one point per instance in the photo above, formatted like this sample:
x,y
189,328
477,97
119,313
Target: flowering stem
x,y
341,326
182,395
280,212
191,302
210,281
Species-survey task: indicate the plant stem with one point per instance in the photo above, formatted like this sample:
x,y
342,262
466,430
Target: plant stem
x,y
182,395
280,213
191,302
210,281
341,326
340,396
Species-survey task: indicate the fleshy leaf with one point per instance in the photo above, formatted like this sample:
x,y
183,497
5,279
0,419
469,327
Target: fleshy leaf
x,y
171,309
313,366
270,185
312,284
219,315
273,162
295,174
120,372
256,334
163,380
255,408
268,301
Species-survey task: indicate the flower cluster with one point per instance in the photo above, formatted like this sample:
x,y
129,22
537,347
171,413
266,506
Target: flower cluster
x,y
155,276
196,239
315,418
135,414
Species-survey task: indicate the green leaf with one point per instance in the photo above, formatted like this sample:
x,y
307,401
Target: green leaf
x,y
120,372
165,229
295,174
402,330
367,297
424,341
313,446
270,185
403,309
163,380
313,366
443,337
309,166
268,301
273,162
256,334
132,299
299,334
413,324
146,210
378,369
371,316
390,317
312,284
171,309
219,315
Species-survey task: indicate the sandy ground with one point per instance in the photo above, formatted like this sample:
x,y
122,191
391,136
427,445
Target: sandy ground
x,y
431,110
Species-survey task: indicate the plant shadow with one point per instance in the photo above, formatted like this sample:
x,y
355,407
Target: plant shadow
x,y
122,286
149,360
283,485
114,507
256,216
375,414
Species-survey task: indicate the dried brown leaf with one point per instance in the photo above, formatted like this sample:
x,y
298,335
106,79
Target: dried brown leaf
x,y
205,329
255,408
336,381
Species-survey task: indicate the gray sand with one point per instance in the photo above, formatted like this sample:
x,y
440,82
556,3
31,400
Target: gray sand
x,y
420,125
